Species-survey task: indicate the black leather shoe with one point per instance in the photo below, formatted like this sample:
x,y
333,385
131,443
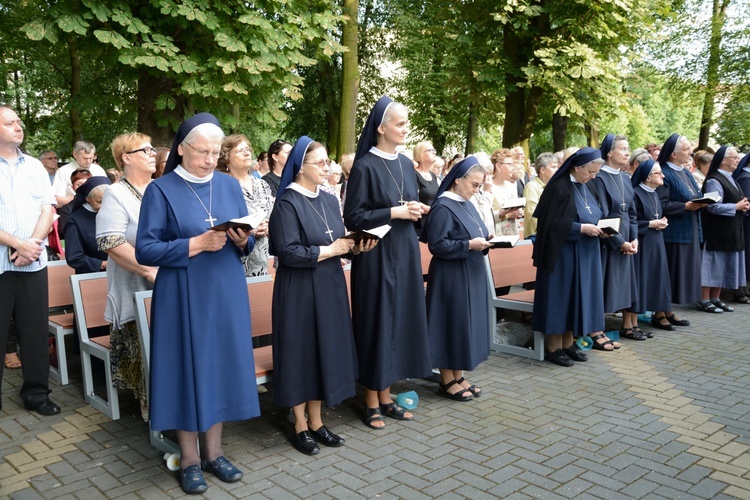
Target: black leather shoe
x,y
558,357
677,322
575,354
305,443
192,480
223,469
656,323
44,407
328,438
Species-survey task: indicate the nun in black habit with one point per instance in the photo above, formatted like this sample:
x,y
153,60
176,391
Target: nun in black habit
x,y
388,306
742,178
81,250
313,348
457,308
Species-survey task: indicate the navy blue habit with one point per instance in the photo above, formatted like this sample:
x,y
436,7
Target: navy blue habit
x,y
742,178
202,368
81,251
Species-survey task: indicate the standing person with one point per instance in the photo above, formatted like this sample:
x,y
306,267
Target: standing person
x,y
81,250
457,307
545,165
427,181
83,158
742,177
723,258
682,236
26,212
388,306
262,165
614,192
235,160
116,229
49,161
278,152
504,189
569,301
314,359
702,162
200,319
162,154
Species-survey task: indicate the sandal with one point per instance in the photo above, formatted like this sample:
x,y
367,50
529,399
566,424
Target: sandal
x,y
647,334
601,346
12,361
474,390
394,410
463,396
709,307
632,334
742,299
373,415
721,305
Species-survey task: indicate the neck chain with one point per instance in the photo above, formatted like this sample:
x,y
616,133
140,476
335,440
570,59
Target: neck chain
x,y
323,217
656,204
400,190
583,198
210,219
132,189
623,205
479,226
686,183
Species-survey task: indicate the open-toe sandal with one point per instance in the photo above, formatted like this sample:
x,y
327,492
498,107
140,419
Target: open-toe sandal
x,y
642,332
474,390
394,410
742,299
373,415
12,361
601,346
462,396
630,333
709,307
721,305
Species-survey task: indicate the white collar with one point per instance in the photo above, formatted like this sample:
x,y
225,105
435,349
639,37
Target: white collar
x,y
452,196
192,178
573,179
746,169
727,174
675,167
610,170
303,191
89,207
383,154
647,189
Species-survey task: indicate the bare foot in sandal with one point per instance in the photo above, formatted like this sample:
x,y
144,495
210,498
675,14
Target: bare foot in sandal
x,y
12,361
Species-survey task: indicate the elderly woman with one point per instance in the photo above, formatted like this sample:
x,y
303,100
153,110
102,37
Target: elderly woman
x,y
116,229
723,258
81,251
278,152
202,369
236,159
742,177
504,189
388,307
457,307
652,272
77,178
702,161
427,181
545,165
313,346
682,236
636,158
615,195
332,183
569,301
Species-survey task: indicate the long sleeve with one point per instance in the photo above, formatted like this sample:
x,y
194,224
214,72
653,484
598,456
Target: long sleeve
x,y
284,229
155,246
75,254
443,239
723,209
360,210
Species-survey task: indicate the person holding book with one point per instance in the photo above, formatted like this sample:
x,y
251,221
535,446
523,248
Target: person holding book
x,y
569,300
504,190
202,367
314,359
388,306
457,307
614,192
236,160
723,258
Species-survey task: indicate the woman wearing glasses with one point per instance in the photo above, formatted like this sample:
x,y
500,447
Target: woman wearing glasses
x,y
427,181
236,160
202,369
116,228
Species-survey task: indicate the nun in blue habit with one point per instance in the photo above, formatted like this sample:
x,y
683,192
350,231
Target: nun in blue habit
x,y
202,368
742,178
682,237
568,301
388,306
314,358
723,258
652,272
615,195
81,250
457,306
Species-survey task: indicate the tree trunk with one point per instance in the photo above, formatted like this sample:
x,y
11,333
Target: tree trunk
x,y
150,87
349,80
712,71
76,127
329,83
471,130
559,131
592,134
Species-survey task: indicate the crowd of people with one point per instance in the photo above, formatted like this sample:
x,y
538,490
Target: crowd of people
x,y
150,224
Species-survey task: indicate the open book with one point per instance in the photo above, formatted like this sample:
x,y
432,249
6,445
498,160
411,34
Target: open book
x,y
710,197
514,203
507,241
245,223
375,233
609,226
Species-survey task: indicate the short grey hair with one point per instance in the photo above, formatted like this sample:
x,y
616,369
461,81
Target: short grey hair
x,y
45,153
84,146
543,160
638,156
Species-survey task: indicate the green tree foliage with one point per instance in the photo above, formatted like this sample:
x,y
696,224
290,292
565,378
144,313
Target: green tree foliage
x,y
733,125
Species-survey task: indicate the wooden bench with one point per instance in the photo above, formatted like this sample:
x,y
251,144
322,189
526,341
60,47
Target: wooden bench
x,y
89,303
60,321
507,267
260,294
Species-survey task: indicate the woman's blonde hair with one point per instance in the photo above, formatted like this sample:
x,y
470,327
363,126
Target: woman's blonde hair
x,y
127,142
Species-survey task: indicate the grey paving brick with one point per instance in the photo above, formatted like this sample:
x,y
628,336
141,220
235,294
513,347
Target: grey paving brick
x,y
707,488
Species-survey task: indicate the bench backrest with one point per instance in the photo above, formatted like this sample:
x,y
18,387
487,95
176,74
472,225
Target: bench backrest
x,y
59,291
512,266
260,294
426,257
89,301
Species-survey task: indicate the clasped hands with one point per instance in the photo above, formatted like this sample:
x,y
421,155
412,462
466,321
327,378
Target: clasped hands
x,y
213,241
412,210
26,252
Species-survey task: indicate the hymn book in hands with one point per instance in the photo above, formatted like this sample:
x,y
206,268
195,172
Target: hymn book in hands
x,y
245,223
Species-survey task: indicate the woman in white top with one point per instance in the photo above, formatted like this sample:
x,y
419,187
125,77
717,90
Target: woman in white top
x,y
504,189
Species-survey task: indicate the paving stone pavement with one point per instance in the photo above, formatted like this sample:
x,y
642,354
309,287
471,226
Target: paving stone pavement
x,y
665,418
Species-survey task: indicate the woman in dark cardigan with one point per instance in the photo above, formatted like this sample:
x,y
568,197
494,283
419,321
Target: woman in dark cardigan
x,y
742,177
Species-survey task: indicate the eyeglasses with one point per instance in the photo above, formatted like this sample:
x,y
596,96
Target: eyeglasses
x,y
51,158
320,164
731,157
205,154
146,149
431,150
244,151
